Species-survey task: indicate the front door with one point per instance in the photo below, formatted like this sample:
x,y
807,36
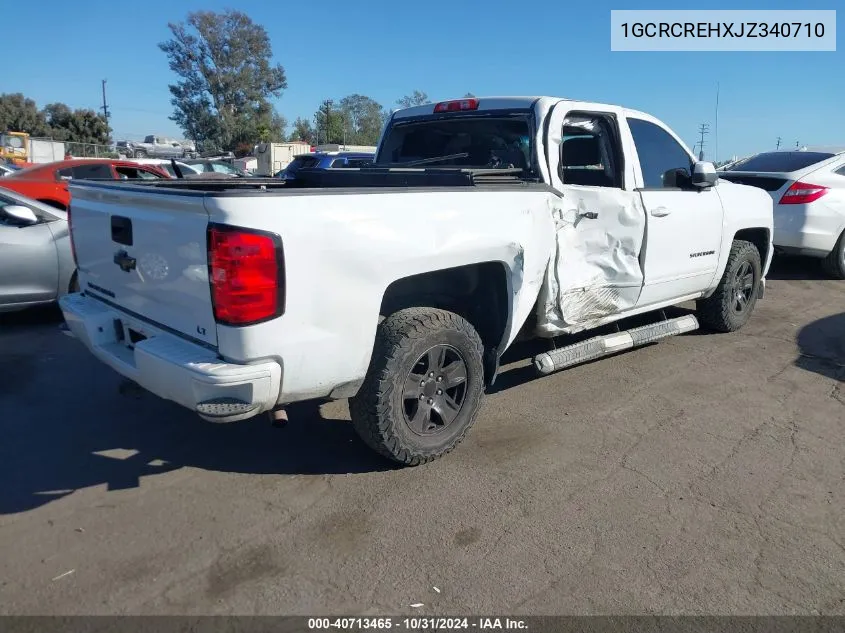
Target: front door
x,y
684,224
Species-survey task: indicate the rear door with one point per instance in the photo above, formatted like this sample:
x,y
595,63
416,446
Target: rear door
x,y
144,251
601,224
684,225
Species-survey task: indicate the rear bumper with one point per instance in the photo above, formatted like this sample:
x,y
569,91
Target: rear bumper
x,y
173,368
807,229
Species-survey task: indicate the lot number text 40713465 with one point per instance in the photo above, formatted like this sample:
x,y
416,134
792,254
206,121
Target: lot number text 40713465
x,y
417,624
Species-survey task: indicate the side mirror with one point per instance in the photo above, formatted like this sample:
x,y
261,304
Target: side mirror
x,y
704,174
22,215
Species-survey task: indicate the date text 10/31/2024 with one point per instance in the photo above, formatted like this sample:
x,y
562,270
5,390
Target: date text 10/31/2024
x,y
416,624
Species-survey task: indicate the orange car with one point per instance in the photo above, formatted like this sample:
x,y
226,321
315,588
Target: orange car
x,y
47,183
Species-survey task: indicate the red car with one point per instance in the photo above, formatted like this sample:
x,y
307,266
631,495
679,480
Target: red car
x,y
47,183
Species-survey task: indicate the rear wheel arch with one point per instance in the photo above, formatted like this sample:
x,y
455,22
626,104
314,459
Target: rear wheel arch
x,y
479,292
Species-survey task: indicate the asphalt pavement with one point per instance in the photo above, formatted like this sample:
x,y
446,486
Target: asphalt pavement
x,y
702,474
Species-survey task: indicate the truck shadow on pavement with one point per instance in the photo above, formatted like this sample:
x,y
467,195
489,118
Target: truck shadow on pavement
x,y
65,426
822,347
78,447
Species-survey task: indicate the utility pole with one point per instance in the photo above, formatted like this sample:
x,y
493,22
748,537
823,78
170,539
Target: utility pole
x,y
328,104
716,126
703,129
777,147
796,144
105,107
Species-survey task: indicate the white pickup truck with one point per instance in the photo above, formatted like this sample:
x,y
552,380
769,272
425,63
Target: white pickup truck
x,y
399,286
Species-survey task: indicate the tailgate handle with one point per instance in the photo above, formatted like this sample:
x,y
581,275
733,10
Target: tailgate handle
x,y
121,230
126,263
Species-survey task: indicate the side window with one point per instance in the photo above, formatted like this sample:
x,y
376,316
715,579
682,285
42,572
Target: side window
x,y
65,173
359,162
222,168
840,171
99,171
590,152
661,156
339,162
127,173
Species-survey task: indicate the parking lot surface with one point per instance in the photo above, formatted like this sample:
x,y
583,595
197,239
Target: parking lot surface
x,y
704,474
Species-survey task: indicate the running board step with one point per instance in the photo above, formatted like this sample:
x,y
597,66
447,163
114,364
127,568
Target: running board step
x,y
599,346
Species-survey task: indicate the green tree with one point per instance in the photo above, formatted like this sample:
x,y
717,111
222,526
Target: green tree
x,y
302,131
226,78
362,119
19,114
469,95
87,126
414,99
56,120
328,123
77,126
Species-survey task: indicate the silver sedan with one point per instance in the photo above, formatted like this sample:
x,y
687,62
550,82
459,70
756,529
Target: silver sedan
x,y
36,262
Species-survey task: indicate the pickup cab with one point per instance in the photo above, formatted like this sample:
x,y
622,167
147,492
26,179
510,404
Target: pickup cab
x,y
158,147
400,285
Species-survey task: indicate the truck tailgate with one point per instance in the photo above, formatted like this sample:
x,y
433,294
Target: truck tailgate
x,y
145,253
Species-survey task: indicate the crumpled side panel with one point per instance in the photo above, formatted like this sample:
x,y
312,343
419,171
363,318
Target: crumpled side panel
x,y
594,270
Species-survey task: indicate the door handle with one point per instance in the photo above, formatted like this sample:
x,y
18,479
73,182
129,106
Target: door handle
x,y
590,215
660,212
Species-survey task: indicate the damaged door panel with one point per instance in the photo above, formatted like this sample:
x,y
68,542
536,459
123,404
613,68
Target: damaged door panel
x,y
595,268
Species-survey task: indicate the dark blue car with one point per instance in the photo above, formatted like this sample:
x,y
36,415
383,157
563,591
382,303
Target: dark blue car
x,y
325,160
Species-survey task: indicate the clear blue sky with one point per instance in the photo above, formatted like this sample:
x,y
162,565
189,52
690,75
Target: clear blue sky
x,y
385,49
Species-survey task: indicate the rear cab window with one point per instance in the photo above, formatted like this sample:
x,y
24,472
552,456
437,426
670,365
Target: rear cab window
x,y
301,162
481,139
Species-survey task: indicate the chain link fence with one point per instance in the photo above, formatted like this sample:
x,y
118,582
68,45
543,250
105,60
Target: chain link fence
x,y
89,150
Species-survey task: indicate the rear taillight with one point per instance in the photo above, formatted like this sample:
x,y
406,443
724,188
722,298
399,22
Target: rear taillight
x,y
458,105
70,234
802,193
246,274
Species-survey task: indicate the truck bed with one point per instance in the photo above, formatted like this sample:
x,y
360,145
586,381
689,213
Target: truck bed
x,y
368,177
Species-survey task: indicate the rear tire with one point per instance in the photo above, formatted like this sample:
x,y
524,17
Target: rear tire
x,y
139,153
834,263
424,386
731,305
